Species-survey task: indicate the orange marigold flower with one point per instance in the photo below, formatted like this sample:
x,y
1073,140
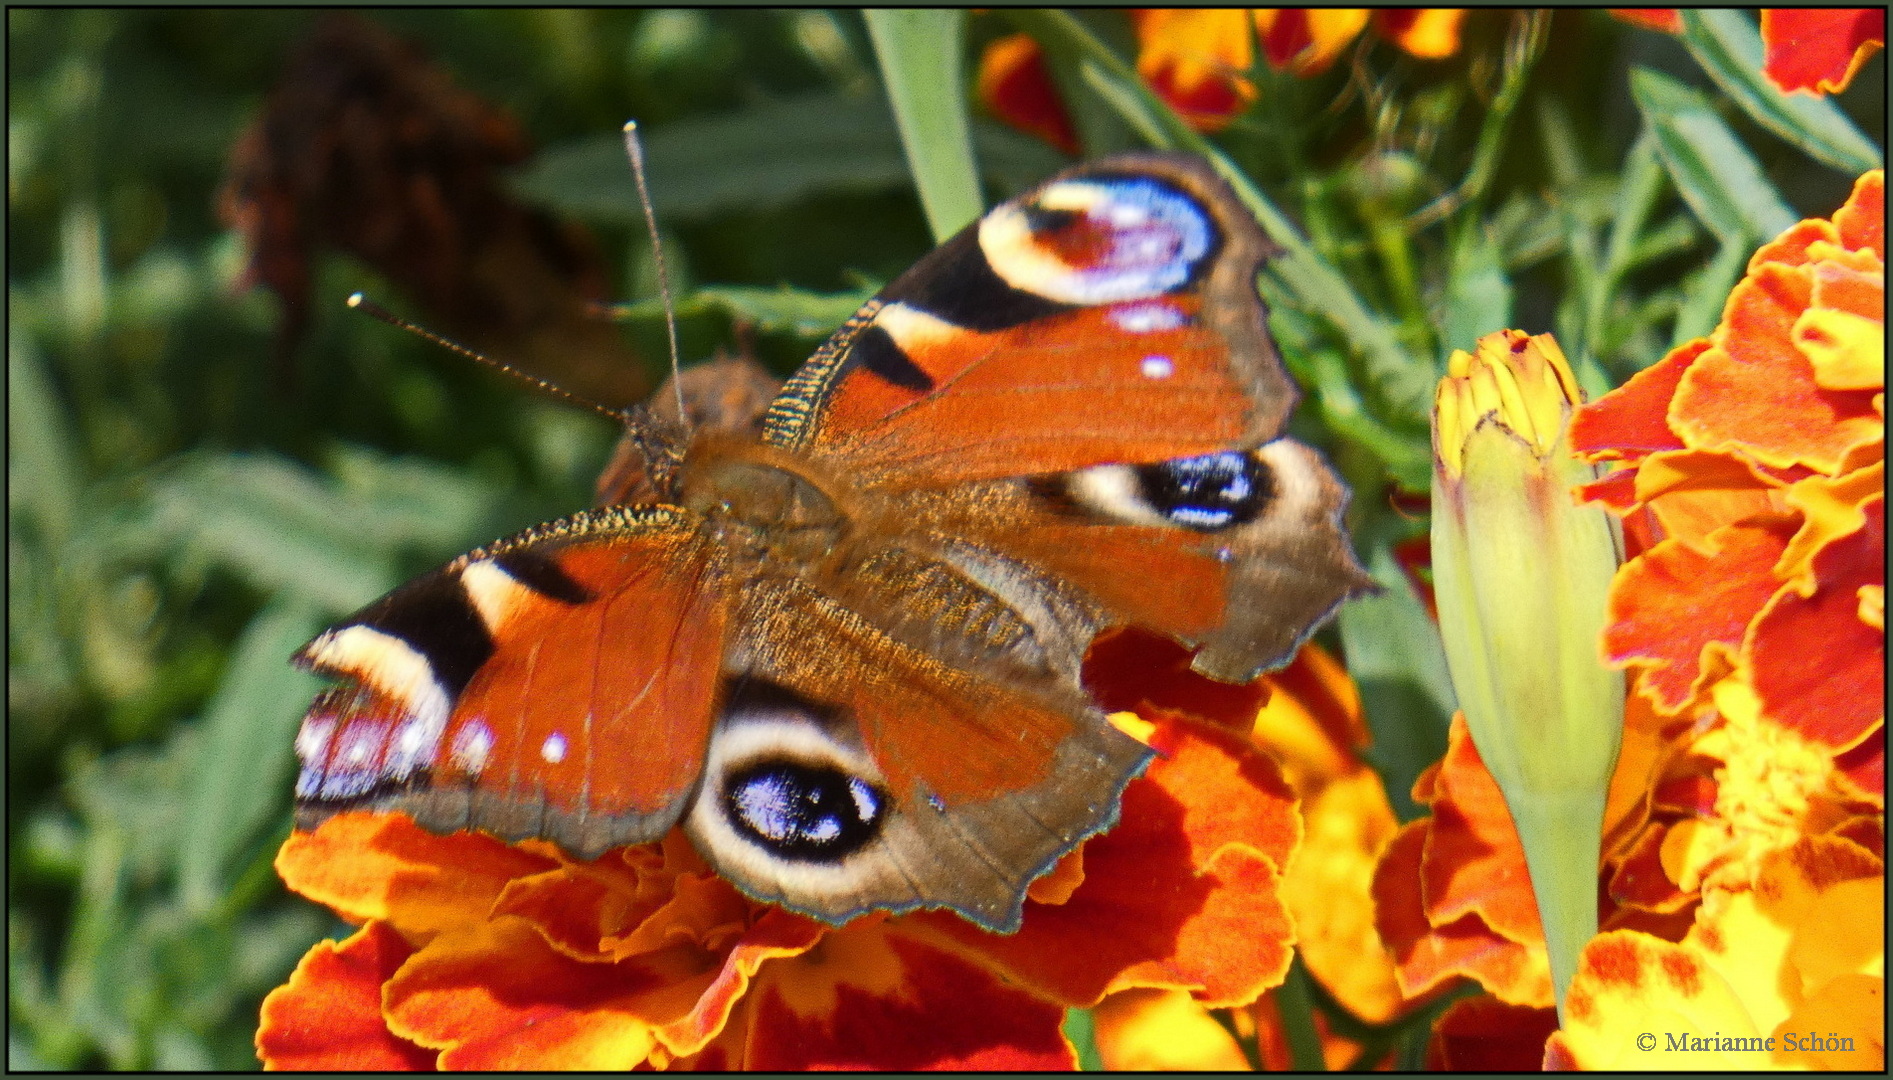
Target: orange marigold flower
x,y
1313,724
1198,60
1760,455
479,955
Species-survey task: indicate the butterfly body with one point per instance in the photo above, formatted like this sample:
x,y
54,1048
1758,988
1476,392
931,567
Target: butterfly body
x,y
838,640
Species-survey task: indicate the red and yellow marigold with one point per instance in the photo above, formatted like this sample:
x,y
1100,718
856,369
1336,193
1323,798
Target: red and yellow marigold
x,y
1743,868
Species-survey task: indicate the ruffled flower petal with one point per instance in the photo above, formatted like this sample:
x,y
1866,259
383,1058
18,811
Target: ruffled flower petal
x,y
1428,33
1836,694
327,1018
1756,393
874,996
1183,893
1804,941
383,866
1678,615
1484,1034
1818,50
1307,41
496,995
1163,1031
1633,420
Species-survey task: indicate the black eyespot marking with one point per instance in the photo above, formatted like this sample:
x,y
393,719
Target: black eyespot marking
x,y
957,284
543,576
874,348
805,812
1042,221
1207,493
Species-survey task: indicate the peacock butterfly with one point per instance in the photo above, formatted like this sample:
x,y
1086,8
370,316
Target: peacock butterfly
x,y
838,638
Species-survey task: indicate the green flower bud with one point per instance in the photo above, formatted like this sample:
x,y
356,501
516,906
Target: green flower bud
x,y
1521,571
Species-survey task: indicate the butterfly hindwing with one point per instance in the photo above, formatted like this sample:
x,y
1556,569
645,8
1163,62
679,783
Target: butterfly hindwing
x,y
852,770
561,684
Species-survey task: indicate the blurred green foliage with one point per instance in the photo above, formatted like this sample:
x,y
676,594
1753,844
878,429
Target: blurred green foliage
x,y
178,522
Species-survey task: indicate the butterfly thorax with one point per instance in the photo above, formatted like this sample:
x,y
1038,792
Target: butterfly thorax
x,y
766,505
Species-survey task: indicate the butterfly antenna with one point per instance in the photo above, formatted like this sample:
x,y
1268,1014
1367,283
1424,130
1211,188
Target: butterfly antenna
x,y
369,307
634,148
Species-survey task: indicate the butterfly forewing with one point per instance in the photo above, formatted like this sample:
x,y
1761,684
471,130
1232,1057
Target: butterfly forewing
x,y
559,685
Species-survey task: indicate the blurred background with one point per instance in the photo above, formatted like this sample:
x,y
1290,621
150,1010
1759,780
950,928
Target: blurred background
x,y
209,456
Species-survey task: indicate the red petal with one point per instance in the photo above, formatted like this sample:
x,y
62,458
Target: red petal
x,y
383,866
1791,247
1819,49
1817,667
496,996
1640,880
1484,1034
1633,416
873,997
1136,671
1672,603
328,1018
577,906
1015,85
1862,222
1865,765
1756,391
1474,863
1618,491
1183,893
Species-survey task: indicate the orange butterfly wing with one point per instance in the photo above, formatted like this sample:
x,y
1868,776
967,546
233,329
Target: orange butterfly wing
x,y
560,684
1088,373
1109,316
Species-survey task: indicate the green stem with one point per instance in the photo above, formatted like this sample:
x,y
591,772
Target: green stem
x,y
1296,1005
1521,52
1563,834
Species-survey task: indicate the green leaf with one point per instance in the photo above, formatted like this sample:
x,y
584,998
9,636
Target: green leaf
x,y
1729,47
1396,658
769,155
338,546
1706,293
244,751
1081,1028
1478,291
921,56
43,469
797,311
1717,176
